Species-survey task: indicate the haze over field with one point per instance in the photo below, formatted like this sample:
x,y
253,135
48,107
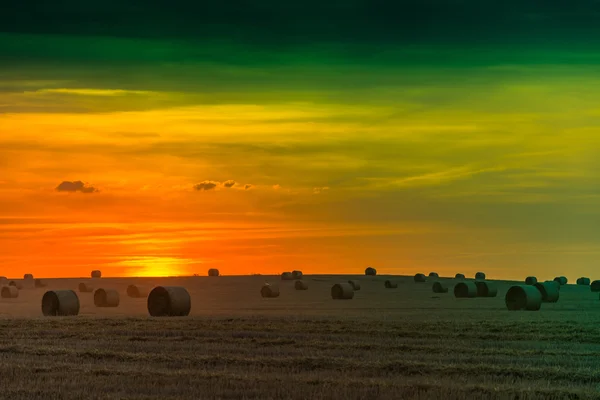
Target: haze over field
x,y
169,139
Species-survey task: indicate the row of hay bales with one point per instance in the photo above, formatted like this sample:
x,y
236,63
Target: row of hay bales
x,y
343,290
421,278
562,280
163,301
10,289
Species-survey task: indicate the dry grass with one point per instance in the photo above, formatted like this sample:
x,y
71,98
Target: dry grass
x,y
408,344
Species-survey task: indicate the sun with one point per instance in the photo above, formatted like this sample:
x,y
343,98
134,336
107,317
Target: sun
x,y
154,266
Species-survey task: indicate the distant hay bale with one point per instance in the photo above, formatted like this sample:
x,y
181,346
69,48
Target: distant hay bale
x,y
9,292
106,298
18,285
390,284
269,291
370,271
420,278
530,280
342,291
523,297
137,292
40,283
439,287
213,272
297,274
28,277
355,285
96,274
465,290
85,288
486,289
300,285
459,276
595,286
287,276
60,303
433,275
562,280
583,281
480,276
169,301
549,291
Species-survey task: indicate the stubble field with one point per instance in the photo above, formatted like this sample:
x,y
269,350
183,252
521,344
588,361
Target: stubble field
x,y
404,343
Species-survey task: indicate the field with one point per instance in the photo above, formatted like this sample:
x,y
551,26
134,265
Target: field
x,y
405,343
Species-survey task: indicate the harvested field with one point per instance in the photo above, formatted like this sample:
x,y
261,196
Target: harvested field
x,y
383,344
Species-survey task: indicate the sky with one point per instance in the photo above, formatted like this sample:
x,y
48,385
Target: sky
x,y
259,137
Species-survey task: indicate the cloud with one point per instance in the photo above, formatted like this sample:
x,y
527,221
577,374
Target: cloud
x,y
318,190
75,186
92,92
247,186
229,183
276,187
206,185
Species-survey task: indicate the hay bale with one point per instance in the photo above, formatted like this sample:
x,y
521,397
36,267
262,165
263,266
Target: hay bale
x,y
465,290
370,271
96,274
523,297
269,291
562,280
85,288
17,284
595,286
549,291
459,276
28,277
355,285
583,281
439,287
169,301
530,280
433,275
297,274
300,285
213,272
420,278
137,292
480,276
60,303
342,291
486,289
390,284
40,283
9,292
287,276
106,298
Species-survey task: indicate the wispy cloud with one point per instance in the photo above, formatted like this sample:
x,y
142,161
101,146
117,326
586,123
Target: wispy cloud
x,y
75,186
92,92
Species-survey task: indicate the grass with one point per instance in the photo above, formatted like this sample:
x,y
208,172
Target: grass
x,y
406,343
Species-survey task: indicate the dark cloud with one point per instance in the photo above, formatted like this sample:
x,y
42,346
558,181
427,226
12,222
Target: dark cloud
x,y
230,183
206,185
247,186
75,186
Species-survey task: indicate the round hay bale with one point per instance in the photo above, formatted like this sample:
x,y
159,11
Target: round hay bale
x,y
465,290
355,285
297,274
390,284
549,291
530,280
439,287
213,272
85,288
433,275
40,283
96,274
60,303
137,292
269,291
523,298
300,285
342,291
28,277
480,276
106,298
486,289
562,280
420,278
459,276
169,301
9,292
595,286
370,271
287,276
16,284
583,281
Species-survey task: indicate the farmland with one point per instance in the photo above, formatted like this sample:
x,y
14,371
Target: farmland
x,y
384,343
